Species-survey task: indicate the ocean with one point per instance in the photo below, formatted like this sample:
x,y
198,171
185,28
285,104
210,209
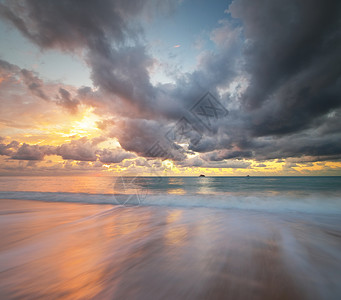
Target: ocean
x,y
170,237
277,194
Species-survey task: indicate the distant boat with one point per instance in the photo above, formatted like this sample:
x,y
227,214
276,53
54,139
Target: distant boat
x,y
247,175
202,175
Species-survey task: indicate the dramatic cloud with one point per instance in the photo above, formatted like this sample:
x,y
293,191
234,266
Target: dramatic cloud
x,y
290,61
291,56
109,33
70,24
274,65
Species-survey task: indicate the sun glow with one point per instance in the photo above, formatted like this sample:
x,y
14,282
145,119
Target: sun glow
x,y
86,126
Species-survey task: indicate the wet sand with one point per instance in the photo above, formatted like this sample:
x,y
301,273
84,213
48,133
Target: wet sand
x,y
86,251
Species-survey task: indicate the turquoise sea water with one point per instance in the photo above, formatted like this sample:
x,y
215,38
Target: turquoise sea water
x,y
303,194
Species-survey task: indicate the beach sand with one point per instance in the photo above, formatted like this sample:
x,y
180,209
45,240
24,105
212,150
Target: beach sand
x,y
87,251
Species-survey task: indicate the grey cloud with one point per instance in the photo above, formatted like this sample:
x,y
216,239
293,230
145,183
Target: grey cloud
x,y
30,79
81,149
108,156
6,67
110,32
117,68
105,124
141,162
34,84
87,150
147,138
66,101
291,106
292,58
199,162
8,149
32,152
227,154
124,73
69,24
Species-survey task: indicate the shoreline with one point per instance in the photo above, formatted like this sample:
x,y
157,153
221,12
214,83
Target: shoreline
x,y
78,251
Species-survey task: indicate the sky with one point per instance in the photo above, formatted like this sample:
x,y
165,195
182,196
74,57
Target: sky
x,y
176,88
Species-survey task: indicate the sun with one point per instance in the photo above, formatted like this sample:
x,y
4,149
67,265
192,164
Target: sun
x,y
86,126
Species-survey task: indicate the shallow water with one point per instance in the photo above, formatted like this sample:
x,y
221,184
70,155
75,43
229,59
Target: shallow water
x,y
170,238
88,251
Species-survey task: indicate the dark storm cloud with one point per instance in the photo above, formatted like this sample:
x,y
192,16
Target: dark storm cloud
x,y
292,56
124,73
70,24
307,144
226,154
304,144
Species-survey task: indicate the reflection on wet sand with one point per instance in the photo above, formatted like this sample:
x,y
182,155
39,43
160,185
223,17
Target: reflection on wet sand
x,y
75,251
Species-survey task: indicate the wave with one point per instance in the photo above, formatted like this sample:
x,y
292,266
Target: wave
x,y
258,202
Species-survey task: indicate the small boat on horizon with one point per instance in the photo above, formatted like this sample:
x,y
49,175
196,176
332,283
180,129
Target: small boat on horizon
x,y
202,175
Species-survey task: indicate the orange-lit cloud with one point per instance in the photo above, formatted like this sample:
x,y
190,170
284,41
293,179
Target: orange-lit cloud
x,y
280,117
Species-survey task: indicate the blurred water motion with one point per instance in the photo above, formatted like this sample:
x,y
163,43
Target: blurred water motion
x,y
78,251
179,185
